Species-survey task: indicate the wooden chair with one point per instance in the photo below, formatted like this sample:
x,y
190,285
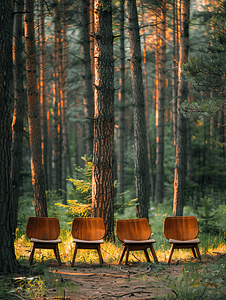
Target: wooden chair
x,y
135,234
88,233
181,233
43,232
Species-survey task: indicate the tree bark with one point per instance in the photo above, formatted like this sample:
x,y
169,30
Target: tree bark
x,y
103,145
180,160
18,115
43,94
121,101
33,114
88,99
8,262
160,109
140,129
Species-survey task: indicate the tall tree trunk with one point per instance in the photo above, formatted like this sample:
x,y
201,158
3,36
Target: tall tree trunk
x,y
140,129
121,99
160,109
49,146
55,157
88,99
64,104
33,114
180,160
43,94
103,145
60,97
175,62
18,115
8,261
147,107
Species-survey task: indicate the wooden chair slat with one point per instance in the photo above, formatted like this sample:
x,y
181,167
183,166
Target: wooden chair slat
x,y
134,234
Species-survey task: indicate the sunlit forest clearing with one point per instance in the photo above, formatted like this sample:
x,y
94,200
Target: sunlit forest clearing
x,y
112,149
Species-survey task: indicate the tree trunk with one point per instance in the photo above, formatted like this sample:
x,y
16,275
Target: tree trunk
x,y
150,166
33,114
121,99
160,109
18,115
140,129
64,105
43,94
88,99
180,160
8,261
175,60
103,145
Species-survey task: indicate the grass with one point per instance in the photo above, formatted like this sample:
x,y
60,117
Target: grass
x,y
194,282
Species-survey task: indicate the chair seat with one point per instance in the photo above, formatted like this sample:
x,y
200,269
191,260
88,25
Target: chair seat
x,y
46,241
139,242
88,242
195,241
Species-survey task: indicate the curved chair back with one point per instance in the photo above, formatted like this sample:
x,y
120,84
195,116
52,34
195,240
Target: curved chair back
x,y
133,229
181,228
43,228
88,229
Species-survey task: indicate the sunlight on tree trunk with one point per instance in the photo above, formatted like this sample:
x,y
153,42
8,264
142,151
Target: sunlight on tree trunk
x,y
103,145
180,160
140,129
33,114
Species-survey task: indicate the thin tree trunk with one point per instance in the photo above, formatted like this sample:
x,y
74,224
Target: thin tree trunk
x,y
180,161
103,146
59,95
43,94
140,129
160,109
175,61
88,98
121,99
64,105
33,114
147,108
18,115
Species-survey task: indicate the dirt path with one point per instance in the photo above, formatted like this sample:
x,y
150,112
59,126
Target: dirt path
x,y
135,281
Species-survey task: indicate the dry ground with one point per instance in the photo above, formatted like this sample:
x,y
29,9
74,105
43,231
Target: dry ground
x,y
134,281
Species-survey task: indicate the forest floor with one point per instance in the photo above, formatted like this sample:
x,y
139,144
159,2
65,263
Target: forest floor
x,y
190,279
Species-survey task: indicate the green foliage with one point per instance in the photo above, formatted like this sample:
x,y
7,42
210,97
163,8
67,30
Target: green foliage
x,y
80,194
196,282
209,216
207,71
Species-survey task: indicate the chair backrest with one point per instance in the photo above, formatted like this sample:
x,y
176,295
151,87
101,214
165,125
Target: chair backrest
x,y
133,229
43,228
180,228
88,229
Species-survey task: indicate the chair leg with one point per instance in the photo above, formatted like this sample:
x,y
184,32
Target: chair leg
x,y
154,254
193,252
32,254
146,255
127,256
171,254
197,251
75,252
57,254
100,256
122,255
